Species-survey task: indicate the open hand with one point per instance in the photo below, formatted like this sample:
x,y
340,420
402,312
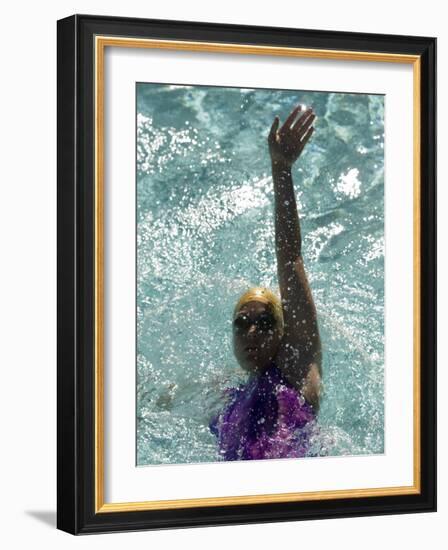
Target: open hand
x,y
286,144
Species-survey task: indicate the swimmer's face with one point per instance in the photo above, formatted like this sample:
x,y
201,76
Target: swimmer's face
x,y
256,336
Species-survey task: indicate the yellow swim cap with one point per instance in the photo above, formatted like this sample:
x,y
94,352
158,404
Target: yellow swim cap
x,y
266,296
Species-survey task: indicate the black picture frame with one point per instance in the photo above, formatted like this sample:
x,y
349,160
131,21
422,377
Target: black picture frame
x,y
76,474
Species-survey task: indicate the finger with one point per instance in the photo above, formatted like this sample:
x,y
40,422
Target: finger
x,y
274,129
303,119
291,118
304,127
307,136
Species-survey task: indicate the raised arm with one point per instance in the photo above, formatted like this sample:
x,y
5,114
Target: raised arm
x,y
299,356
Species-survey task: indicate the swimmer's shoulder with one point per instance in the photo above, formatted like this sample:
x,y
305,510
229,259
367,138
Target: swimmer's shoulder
x,y
312,386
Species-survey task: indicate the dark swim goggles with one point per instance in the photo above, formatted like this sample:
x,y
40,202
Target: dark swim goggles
x,y
263,322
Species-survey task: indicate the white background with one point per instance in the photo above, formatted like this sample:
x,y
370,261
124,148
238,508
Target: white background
x,y
124,482
28,275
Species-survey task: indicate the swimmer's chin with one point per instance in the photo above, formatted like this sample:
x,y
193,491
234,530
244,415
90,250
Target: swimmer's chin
x,y
253,367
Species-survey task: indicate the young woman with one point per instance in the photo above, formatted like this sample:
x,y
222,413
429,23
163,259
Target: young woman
x,y
276,341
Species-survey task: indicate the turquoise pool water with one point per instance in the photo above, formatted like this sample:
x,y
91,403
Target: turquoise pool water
x,y
205,233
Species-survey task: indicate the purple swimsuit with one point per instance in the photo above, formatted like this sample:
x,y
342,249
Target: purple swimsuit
x,y
265,418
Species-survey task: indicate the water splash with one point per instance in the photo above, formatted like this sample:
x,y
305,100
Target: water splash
x,y
205,234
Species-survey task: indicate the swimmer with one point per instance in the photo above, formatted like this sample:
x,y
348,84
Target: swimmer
x,y
276,340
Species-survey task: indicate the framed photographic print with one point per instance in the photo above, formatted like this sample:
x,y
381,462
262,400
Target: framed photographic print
x,y
246,274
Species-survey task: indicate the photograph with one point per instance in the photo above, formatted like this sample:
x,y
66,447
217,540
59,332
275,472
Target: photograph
x,y
246,263
220,288
260,274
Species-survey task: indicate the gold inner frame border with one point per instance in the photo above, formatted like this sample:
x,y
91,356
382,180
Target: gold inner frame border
x,y
101,42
